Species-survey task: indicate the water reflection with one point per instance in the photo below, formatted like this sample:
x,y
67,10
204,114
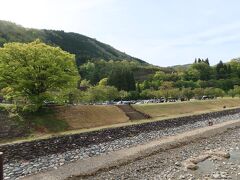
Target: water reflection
x,y
209,168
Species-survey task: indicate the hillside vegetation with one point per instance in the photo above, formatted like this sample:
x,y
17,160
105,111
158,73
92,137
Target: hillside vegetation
x,y
85,48
108,74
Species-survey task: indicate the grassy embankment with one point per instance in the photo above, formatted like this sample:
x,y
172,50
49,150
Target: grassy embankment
x,y
78,119
68,119
63,118
165,110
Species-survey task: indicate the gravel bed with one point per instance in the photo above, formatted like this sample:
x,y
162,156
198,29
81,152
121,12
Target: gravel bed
x,y
18,169
168,164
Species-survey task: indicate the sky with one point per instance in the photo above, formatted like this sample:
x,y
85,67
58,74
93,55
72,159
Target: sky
x,y
161,32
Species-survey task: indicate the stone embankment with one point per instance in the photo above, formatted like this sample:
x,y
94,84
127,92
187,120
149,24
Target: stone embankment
x,y
92,166
31,157
223,163
9,127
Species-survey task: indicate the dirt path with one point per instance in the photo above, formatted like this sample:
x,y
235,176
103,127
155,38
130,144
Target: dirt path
x,y
92,165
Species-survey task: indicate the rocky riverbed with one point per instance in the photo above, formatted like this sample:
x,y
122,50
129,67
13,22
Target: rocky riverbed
x,y
20,168
169,164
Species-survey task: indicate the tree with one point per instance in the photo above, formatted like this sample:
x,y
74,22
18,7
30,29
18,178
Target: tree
x,y
235,67
198,93
222,70
214,92
89,72
103,82
159,75
122,79
207,61
123,94
85,83
37,72
173,93
204,70
191,74
218,92
231,93
236,91
166,85
138,88
187,93
158,93
147,94
101,93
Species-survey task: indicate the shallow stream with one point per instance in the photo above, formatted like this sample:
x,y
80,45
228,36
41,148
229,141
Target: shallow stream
x,y
220,169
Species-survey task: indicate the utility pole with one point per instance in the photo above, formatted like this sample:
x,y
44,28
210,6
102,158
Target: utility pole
x,y
1,166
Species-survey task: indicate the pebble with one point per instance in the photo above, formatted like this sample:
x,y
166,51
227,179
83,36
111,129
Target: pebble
x,y
147,167
17,169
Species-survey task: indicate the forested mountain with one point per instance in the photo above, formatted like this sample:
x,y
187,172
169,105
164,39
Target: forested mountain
x,y
97,61
85,48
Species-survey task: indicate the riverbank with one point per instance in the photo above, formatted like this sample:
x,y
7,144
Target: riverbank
x,y
168,164
33,157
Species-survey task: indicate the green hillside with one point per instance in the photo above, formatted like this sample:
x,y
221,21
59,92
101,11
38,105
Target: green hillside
x,y
85,48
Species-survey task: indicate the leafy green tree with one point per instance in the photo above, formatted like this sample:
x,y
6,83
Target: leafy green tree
x,y
101,93
218,92
138,88
158,93
198,93
191,74
236,90
204,70
77,96
85,84
37,72
160,75
235,67
103,82
133,95
147,94
89,72
145,85
167,85
174,93
187,93
231,93
123,94
185,84
214,92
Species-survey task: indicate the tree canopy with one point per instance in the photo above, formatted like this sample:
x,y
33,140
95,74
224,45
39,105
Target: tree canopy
x,y
36,72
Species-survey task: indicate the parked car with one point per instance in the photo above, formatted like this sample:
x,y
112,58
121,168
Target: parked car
x,y
207,97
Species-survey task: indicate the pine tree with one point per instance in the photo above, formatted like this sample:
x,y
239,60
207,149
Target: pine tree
x,y
207,61
123,79
195,61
